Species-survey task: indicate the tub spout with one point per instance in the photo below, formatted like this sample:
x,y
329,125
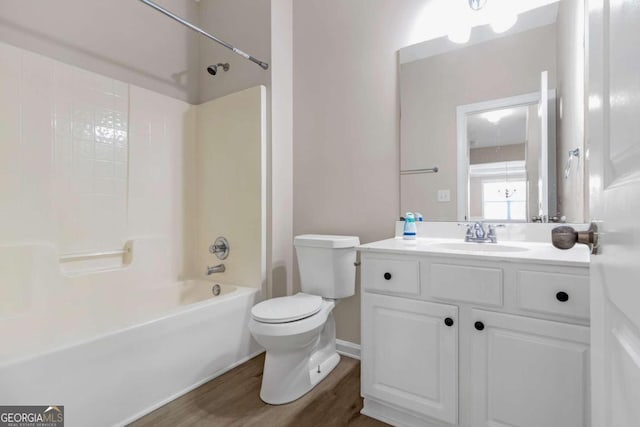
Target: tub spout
x,y
215,269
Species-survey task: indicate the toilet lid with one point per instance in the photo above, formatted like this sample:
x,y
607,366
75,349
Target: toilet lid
x,y
287,309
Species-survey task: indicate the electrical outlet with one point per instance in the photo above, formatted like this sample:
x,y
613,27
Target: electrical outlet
x,y
444,195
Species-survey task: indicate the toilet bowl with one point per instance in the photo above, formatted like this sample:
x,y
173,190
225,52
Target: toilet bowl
x,y
299,355
298,332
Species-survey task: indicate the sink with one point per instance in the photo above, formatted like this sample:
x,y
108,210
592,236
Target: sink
x,y
477,247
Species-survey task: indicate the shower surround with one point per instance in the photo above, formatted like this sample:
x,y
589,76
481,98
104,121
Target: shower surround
x,y
109,198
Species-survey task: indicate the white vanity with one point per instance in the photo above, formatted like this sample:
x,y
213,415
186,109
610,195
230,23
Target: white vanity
x,y
467,334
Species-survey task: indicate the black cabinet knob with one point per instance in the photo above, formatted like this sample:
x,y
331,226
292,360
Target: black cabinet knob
x,y
387,276
448,321
562,296
479,326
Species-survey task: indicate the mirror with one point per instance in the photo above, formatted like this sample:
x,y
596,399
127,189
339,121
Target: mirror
x,y
500,158
488,127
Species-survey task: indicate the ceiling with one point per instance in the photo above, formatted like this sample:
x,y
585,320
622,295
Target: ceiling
x,y
510,129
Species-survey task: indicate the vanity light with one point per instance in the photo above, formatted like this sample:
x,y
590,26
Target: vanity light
x,y
500,16
503,21
496,115
461,33
477,4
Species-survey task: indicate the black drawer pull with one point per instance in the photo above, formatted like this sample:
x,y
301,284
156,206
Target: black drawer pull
x,y
387,276
479,326
562,296
448,321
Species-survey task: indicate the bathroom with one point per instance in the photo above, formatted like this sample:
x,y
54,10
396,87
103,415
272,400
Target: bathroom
x,y
174,214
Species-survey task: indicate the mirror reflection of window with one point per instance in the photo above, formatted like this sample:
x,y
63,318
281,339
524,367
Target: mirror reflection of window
x,y
504,200
500,142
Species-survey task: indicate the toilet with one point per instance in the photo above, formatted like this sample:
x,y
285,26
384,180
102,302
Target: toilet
x,y
299,331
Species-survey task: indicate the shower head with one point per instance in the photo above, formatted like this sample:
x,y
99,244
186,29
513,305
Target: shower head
x,y
213,69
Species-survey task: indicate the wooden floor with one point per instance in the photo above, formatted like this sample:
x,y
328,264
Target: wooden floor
x,y
233,400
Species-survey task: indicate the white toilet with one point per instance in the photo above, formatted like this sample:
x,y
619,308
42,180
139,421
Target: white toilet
x,y
299,332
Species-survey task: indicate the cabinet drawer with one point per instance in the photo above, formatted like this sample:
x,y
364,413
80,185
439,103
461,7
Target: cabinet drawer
x,y
478,285
392,275
554,293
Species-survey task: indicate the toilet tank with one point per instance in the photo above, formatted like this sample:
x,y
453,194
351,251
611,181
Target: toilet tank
x,y
326,264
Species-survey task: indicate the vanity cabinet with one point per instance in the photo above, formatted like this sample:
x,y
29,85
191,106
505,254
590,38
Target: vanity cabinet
x,y
450,341
528,372
412,353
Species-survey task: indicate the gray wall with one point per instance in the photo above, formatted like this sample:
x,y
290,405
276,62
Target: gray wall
x,y
122,39
572,192
246,24
128,41
346,122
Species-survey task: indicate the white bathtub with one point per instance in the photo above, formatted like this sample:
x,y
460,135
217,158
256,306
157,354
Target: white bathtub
x,y
110,362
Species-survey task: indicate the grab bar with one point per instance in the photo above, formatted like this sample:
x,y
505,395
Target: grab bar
x,y
89,255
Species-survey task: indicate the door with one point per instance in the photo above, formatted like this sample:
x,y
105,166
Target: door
x,y
528,372
543,166
614,174
410,355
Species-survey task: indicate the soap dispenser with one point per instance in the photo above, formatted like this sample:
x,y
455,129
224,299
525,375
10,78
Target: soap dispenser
x,y
409,227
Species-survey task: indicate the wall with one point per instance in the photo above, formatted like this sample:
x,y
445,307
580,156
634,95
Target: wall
x,y
572,192
120,39
117,38
345,99
432,89
502,153
230,185
245,24
533,160
280,258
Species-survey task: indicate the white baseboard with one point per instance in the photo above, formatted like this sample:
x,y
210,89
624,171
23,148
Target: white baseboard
x,y
348,349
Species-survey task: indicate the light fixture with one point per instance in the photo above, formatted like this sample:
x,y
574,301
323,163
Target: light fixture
x,y
496,115
460,33
500,16
477,4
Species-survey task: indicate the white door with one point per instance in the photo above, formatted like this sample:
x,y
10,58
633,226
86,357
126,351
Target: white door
x,y
528,372
543,165
614,164
410,355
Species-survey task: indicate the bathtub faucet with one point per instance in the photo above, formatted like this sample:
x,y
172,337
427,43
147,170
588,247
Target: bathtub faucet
x,y
215,269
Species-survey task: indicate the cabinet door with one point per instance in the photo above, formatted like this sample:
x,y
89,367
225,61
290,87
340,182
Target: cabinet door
x,y
528,372
410,355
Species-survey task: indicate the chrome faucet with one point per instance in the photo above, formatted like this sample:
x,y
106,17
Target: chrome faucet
x,y
215,269
477,233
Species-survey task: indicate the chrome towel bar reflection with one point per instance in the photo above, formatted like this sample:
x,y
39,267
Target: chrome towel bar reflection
x,y
419,171
89,255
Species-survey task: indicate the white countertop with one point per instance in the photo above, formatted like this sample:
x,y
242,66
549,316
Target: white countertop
x,y
536,252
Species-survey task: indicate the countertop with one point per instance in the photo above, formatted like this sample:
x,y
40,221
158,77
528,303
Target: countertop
x,y
534,252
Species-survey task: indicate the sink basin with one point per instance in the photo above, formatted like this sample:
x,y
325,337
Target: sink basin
x,y
478,247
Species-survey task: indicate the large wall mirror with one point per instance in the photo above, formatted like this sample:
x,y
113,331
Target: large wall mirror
x,y
493,129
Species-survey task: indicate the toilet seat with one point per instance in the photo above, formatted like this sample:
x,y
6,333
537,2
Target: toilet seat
x,y
287,309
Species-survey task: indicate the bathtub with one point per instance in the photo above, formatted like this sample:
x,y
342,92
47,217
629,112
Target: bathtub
x,y
112,361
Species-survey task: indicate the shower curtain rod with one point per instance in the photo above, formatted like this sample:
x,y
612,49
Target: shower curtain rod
x,y
188,24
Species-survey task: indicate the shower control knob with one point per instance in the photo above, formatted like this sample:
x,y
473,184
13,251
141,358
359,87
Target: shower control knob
x,y
387,276
479,326
448,321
